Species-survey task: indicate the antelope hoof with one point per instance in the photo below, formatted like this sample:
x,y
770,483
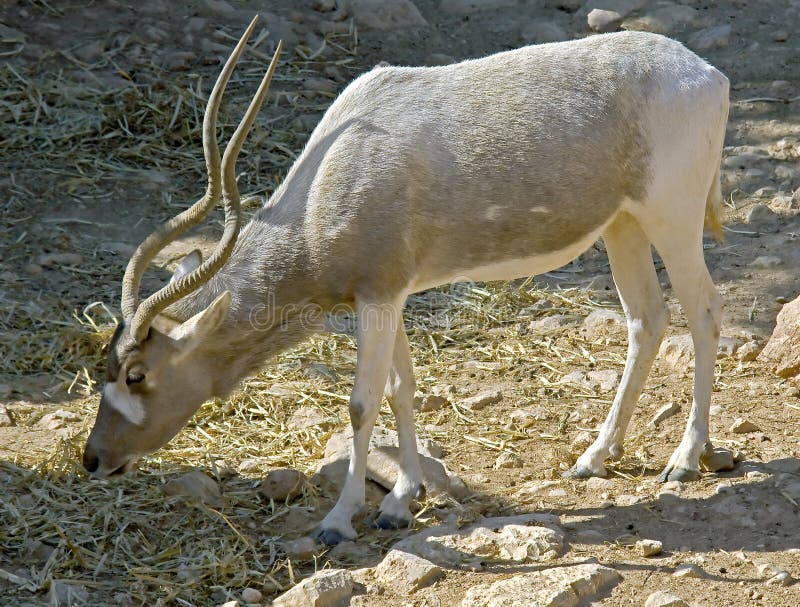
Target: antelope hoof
x,y
685,475
577,472
389,521
330,537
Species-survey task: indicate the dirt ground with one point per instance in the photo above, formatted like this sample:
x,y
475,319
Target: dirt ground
x,y
99,142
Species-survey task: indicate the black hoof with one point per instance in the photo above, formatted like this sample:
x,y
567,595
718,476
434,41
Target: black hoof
x,y
577,472
330,537
685,475
387,521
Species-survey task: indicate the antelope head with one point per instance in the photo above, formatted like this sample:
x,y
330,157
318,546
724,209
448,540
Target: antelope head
x,y
157,373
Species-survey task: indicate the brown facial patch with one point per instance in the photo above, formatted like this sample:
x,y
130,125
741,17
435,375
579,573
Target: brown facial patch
x,y
112,362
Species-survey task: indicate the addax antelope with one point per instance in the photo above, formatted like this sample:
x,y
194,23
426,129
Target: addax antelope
x,y
494,168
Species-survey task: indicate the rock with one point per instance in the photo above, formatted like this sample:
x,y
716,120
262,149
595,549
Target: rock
x,y
465,7
522,418
383,466
780,36
603,21
33,268
251,465
65,593
406,572
716,460
511,538
301,549
431,402
665,412
57,419
664,599
549,324
566,586
5,417
307,417
677,352
766,261
533,489
599,485
602,323
251,595
782,578
282,484
623,7
331,588
783,348
507,460
761,214
581,442
710,37
230,604
689,571
541,32
324,6
195,485
649,547
786,465
482,400
743,426
386,14
748,351
59,259
606,380
663,20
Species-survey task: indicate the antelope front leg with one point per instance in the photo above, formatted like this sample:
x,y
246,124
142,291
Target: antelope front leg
x,y
376,330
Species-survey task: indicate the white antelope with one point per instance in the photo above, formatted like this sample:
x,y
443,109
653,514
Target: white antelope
x,y
494,168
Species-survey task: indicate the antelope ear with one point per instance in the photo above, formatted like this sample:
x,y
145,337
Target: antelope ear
x,y
187,265
203,323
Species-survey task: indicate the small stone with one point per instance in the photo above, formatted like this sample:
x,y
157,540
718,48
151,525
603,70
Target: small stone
x,y
195,485
307,417
282,484
57,419
251,465
662,598
33,268
533,489
689,571
325,6
507,460
665,412
230,604
603,21
676,486
649,547
329,588
59,259
549,324
606,380
581,442
482,400
604,323
761,213
710,37
766,261
431,402
599,484
743,426
748,352
716,460
780,36
301,549
251,595
781,578
406,572
523,418
5,417
382,15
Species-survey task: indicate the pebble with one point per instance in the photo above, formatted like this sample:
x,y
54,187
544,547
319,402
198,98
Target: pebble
x,y
406,572
301,549
431,402
761,213
743,426
649,547
507,460
599,484
602,21
748,351
717,459
251,595
661,598
59,259
710,37
780,36
33,268
195,485
323,589
766,261
689,571
57,419
665,412
601,323
381,15
482,400
282,484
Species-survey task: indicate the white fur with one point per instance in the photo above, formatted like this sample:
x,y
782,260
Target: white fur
x,y
128,405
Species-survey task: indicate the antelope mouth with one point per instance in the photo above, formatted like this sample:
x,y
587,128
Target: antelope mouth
x,y
102,472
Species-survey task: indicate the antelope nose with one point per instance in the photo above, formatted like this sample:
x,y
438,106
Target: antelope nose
x,y
90,460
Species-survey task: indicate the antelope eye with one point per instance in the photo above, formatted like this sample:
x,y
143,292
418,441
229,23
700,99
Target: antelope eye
x,y
134,378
